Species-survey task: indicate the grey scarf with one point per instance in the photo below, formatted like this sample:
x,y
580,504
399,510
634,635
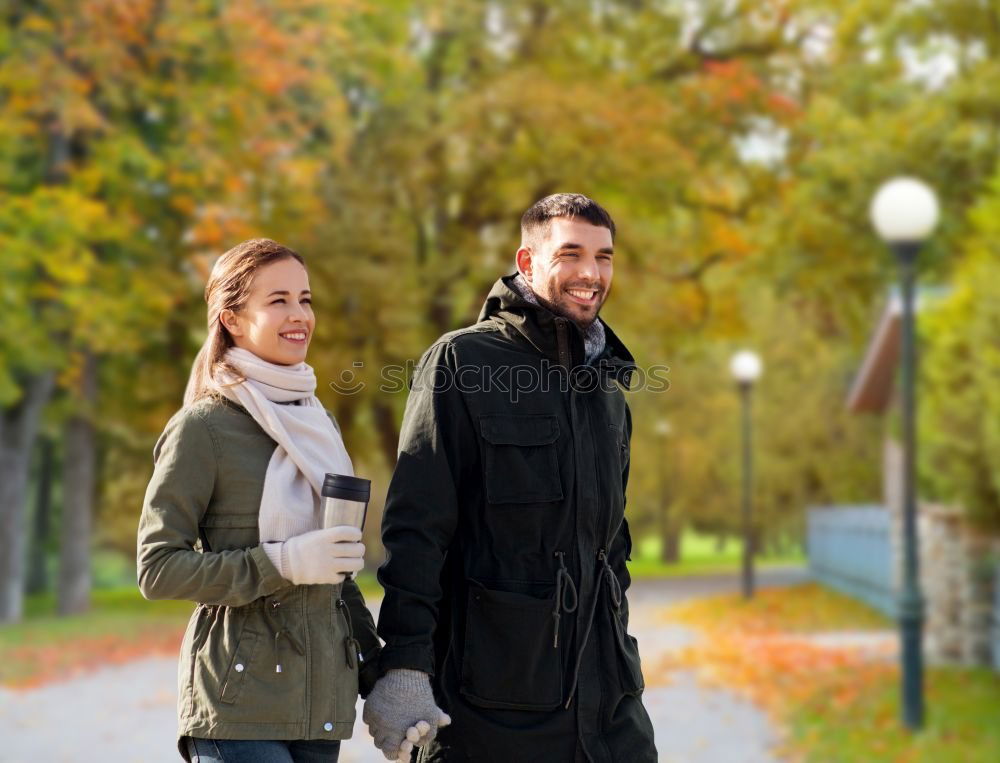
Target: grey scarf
x,y
593,336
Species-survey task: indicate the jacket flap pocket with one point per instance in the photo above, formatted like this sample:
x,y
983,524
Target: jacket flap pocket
x,y
520,458
236,675
519,430
230,520
504,629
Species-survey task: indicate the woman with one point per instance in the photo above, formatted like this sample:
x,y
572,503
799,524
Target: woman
x,y
273,655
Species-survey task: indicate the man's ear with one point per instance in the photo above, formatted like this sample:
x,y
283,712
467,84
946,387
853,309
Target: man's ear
x,y
231,322
523,261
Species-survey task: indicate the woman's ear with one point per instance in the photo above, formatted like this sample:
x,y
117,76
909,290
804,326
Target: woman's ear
x,y
231,321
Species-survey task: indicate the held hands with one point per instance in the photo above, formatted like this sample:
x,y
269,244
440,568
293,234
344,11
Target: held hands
x,y
322,556
400,712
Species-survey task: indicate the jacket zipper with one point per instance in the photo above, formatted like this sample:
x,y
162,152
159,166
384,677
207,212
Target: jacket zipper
x,y
562,344
351,645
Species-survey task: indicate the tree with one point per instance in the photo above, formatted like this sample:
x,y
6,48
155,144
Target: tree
x,y
960,398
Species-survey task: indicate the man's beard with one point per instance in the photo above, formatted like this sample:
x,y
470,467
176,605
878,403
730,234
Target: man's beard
x,y
559,308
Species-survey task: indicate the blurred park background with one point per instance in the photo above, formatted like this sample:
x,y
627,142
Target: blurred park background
x,y
395,144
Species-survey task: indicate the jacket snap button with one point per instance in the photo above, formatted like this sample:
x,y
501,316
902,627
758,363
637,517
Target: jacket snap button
x,y
239,667
328,726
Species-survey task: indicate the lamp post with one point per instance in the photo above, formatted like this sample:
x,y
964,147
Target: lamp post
x,y
904,212
745,367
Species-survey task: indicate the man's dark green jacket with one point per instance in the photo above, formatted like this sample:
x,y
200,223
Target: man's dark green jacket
x,y
506,539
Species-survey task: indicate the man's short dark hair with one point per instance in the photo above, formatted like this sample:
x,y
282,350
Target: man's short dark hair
x,y
537,219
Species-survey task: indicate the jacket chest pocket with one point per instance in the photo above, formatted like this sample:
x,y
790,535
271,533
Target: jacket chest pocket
x,y
225,532
520,459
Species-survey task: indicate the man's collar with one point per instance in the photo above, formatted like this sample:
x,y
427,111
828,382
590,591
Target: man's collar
x,y
518,315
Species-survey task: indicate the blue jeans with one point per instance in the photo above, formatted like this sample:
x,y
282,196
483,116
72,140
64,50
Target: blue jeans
x,y
262,751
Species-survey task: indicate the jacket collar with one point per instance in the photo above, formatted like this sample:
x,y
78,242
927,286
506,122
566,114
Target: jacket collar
x,y
556,338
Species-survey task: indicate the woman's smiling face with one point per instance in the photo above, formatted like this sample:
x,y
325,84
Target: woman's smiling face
x,y
276,323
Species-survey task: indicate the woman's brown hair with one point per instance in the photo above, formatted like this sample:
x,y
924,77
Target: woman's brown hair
x,y
228,288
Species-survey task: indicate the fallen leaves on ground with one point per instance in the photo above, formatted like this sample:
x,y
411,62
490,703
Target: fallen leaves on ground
x,y
774,670
834,702
761,649
30,665
806,608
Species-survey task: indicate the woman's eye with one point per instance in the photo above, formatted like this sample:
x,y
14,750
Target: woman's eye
x,y
278,301
307,301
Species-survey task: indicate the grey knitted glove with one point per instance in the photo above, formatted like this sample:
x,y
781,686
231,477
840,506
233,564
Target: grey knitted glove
x,y
400,711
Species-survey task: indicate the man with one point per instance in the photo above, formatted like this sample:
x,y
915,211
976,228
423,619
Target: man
x,y
504,525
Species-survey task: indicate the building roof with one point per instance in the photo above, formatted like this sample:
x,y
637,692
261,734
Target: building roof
x,y
871,391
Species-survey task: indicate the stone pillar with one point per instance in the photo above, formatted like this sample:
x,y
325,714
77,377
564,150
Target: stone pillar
x,y
892,497
977,597
943,567
958,571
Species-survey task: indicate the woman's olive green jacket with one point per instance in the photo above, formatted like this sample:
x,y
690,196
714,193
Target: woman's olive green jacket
x,y
261,658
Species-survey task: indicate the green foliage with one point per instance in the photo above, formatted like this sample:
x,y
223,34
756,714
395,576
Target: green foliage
x,y
960,393
396,144
807,449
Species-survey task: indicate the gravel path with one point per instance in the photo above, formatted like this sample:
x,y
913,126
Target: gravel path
x,y
97,717
694,724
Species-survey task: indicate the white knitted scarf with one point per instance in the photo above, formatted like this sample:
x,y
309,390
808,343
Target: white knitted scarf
x,y
283,402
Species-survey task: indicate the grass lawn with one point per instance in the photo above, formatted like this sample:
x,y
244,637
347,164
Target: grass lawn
x,y
700,555
961,727
836,705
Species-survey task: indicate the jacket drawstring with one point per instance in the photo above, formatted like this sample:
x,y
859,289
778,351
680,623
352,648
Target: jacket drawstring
x,y
615,591
283,630
566,596
614,587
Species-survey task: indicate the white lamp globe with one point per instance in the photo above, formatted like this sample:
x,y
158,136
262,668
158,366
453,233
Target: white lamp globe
x,y
745,366
904,210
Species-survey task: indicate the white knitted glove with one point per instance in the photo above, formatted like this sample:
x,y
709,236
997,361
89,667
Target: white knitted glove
x,y
322,556
400,711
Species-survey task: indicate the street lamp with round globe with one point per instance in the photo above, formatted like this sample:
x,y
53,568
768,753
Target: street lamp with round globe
x,y
745,367
905,212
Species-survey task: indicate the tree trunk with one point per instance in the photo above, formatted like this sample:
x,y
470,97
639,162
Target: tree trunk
x,y
79,467
18,429
670,547
38,576
387,431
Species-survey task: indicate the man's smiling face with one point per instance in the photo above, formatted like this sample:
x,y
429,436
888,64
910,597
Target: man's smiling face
x,y
570,269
